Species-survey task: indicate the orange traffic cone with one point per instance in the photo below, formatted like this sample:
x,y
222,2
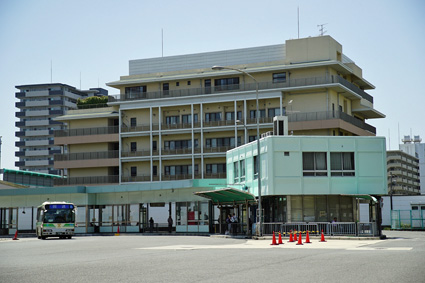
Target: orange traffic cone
x,y
307,239
279,242
118,231
290,237
322,238
295,236
16,235
300,240
273,240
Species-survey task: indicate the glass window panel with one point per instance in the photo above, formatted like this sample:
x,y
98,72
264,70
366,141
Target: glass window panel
x,y
296,209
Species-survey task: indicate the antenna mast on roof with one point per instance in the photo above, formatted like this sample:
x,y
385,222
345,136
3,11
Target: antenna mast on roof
x,y
298,10
321,29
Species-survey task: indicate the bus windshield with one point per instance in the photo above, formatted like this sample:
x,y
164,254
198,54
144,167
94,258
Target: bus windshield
x,y
58,216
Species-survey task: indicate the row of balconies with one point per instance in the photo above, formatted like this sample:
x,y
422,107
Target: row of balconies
x,y
23,94
46,102
34,133
400,166
290,83
37,153
292,118
139,153
39,113
128,179
32,123
34,143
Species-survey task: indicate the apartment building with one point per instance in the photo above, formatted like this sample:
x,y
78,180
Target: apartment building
x,y
403,173
91,143
178,116
414,146
38,105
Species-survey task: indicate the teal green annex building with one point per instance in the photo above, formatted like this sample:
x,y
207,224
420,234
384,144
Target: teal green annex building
x,y
304,179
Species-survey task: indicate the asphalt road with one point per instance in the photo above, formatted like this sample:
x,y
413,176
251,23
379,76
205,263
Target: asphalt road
x,y
139,258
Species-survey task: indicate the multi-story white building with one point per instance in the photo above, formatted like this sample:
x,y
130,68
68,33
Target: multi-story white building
x,y
38,105
416,148
178,116
403,173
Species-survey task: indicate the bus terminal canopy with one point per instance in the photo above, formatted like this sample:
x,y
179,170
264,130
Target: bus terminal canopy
x,y
227,196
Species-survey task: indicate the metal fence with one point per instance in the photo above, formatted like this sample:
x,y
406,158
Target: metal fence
x,y
408,219
316,228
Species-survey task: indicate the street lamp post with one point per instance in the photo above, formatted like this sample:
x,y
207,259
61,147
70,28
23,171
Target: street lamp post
x,y
260,214
391,192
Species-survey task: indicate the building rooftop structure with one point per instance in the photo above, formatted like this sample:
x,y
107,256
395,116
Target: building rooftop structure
x,y
38,105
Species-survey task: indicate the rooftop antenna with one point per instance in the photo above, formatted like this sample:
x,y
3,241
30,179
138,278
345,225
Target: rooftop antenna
x,y
298,10
0,154
321,29
399,132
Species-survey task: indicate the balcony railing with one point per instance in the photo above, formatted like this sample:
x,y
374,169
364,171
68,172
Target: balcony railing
x,y
86,180
147,178
294,117
300,82
87,131
87,155
330,115
178,151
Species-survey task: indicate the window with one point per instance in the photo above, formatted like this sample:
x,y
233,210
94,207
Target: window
x,y
217,142
314,164
155,170
342,164
252,138
216,168
226,84
255,168
272,112
242,164
229,116
135,91
166,88
177,84
133,146
179,144
211,117
279,77
154,147
252,113
133,122
133,170
236,171
172,120
180,170
187,119
189,82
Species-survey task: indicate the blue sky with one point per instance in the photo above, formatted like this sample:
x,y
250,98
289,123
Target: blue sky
x,y
97,39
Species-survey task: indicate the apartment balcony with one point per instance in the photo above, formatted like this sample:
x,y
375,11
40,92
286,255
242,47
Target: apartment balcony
x,y
147,178
290,84
173,152
87,135
34,133
87,159
87,131
92,180
297,121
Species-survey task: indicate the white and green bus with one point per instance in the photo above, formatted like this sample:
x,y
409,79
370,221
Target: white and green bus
x,y
55,219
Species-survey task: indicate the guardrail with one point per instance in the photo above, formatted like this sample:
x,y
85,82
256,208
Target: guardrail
x,y
330,229
289,83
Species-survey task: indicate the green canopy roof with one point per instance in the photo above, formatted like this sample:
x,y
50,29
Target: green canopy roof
x,y
227,196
